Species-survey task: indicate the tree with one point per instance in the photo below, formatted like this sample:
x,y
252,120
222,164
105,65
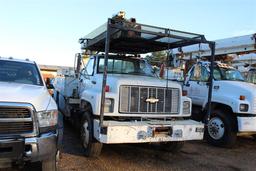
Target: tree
x,y
157,58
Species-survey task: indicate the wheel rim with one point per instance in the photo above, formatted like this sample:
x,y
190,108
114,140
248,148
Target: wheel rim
x,y
85,134
216,128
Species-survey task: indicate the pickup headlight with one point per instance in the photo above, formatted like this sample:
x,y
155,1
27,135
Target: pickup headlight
x,y
47,118
244,107
186,107
109,105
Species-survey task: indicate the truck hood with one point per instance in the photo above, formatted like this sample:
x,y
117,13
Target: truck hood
x,y
120,79
38,96
239,85
237,88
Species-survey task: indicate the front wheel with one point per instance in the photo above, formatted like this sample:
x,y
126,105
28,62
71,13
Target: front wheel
x,y
221,129
92,147
49,164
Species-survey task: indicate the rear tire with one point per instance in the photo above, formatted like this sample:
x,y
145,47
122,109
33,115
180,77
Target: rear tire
x,y
173,147
221,129
92,148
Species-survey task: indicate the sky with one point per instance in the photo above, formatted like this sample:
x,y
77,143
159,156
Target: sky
x,y
47,31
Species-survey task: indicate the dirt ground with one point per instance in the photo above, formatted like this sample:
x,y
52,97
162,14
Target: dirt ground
x,y
194,156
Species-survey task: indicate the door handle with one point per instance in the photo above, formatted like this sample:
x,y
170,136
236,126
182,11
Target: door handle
x,y
93,82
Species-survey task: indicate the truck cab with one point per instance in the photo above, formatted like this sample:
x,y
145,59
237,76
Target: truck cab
x,y
28,116
233,102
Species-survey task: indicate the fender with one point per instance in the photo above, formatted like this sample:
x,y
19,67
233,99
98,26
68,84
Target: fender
x,y
93,97
229,101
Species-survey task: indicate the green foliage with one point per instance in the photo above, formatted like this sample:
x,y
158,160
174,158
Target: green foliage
x,y
157,58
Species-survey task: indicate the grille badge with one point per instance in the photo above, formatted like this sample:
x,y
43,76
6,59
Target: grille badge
x,y
152,100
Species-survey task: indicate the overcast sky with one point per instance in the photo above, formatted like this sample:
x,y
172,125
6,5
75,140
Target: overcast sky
x,y
47,31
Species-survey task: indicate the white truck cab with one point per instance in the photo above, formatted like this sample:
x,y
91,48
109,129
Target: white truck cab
x,y
233,102
28,116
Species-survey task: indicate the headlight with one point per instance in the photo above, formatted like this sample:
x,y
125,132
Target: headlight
x,y
109,105
47,118
243,107
186,107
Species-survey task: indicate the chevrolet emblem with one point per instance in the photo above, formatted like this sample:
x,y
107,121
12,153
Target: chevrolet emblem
x,y
152,100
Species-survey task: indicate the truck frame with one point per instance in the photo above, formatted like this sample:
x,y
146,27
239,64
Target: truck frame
x,y
112,39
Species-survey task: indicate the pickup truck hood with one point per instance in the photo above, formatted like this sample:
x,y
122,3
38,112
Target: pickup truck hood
x,y
38,96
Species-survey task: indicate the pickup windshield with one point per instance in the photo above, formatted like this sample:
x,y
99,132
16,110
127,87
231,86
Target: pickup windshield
x,y
227,74
19,72
127,65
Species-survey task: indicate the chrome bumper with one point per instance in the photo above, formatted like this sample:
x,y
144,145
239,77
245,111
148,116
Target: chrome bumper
x,y
40,148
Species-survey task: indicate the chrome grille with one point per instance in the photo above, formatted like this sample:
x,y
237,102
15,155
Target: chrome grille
x,y
14,113
16,127
133,99
15,120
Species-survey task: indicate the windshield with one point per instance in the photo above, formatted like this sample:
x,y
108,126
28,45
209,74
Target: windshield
x,y
251,77
18,72
227,74
127,66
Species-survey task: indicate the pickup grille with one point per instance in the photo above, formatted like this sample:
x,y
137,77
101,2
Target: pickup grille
x,y
16,128
14,113
136,99
15,121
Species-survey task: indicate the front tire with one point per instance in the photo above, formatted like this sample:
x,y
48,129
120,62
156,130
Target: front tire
x,y
221,129
92,147
49,164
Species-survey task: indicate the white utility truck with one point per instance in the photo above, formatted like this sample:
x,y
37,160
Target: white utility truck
x,y
117,97
28,116
233,102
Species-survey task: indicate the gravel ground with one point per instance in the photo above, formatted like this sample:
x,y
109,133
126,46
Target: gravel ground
x,y
194,156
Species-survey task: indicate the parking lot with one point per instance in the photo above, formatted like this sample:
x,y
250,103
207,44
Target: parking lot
x,y
194,156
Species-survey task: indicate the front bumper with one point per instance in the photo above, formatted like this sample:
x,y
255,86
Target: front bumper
x,y
246,124
148,131
28,149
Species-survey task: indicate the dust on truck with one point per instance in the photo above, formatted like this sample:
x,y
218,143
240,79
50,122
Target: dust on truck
x,y
117,97
28,116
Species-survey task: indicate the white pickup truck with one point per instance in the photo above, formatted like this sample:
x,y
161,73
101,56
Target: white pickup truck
x,y
233,102
28,116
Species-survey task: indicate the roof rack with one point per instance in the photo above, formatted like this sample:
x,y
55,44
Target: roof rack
x,y
136,38
123,37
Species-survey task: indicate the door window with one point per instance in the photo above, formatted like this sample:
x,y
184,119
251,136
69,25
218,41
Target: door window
x,y
196,73
89,67
199,73
204,74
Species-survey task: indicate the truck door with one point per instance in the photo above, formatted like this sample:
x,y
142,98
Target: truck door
x,y
85,80
196,85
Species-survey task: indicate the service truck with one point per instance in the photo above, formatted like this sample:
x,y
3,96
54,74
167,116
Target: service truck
x,y
117,97
233,102
28,116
